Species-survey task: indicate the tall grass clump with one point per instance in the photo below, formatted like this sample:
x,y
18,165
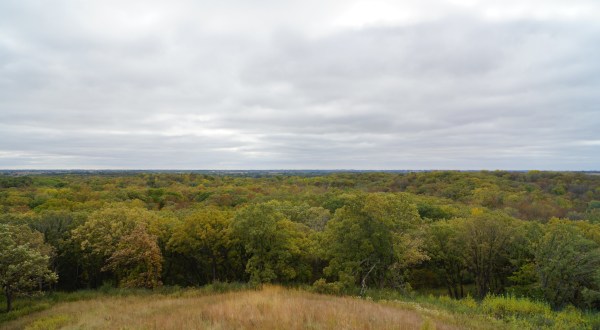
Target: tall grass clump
x,y
50,323
511,306
22,310
572,318
31,304
513,311
537,314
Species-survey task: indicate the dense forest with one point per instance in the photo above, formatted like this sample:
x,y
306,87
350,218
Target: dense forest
x,y
527,234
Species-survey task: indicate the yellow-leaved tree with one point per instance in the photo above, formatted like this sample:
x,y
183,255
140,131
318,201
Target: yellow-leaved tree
x,y
116,240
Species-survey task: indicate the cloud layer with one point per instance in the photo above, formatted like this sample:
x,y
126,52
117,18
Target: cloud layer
x,y
308,84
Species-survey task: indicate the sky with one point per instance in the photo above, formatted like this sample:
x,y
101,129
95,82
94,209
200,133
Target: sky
x,y
271,84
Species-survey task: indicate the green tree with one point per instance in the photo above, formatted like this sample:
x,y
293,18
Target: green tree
x,y
445,247
24,261
368,242
56,227
205,237
523,280
489,238
568,265
314,217
277,247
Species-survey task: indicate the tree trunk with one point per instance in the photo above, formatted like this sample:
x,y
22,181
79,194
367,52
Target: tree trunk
x,y
449,287
214,269
363,288
8,300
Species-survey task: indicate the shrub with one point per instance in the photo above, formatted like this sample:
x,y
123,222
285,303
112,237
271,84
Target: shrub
x,y
537,314
570,318
469,302
510,306
321,286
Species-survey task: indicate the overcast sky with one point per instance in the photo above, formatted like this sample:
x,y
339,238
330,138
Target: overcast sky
x,y
271,84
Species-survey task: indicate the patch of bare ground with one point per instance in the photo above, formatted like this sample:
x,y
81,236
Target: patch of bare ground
x,y
269,308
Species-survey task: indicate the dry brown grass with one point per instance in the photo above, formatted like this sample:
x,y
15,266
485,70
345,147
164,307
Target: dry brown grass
x,y
270,308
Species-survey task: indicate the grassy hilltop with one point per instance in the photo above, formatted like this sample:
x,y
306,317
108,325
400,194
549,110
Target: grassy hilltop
x,y
239,306
271,307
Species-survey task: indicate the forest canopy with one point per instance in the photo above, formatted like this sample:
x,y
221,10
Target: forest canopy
x,y
532,234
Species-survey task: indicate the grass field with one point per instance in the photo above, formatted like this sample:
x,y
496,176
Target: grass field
x,y
240,306
268,308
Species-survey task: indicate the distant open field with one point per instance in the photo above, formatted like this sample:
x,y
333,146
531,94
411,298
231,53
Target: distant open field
x,y
269,308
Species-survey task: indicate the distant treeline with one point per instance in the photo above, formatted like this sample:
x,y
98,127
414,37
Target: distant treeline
x,y
533,234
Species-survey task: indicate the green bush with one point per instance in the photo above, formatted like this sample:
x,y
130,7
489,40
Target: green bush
x,y
570,318
469,302
321,286
511,306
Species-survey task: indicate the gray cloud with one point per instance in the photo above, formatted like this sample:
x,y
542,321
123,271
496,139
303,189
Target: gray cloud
x,y
467,85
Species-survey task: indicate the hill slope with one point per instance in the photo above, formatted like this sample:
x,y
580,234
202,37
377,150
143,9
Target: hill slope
x,y
270,308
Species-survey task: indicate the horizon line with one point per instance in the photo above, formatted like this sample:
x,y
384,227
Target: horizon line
x,y
291,170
